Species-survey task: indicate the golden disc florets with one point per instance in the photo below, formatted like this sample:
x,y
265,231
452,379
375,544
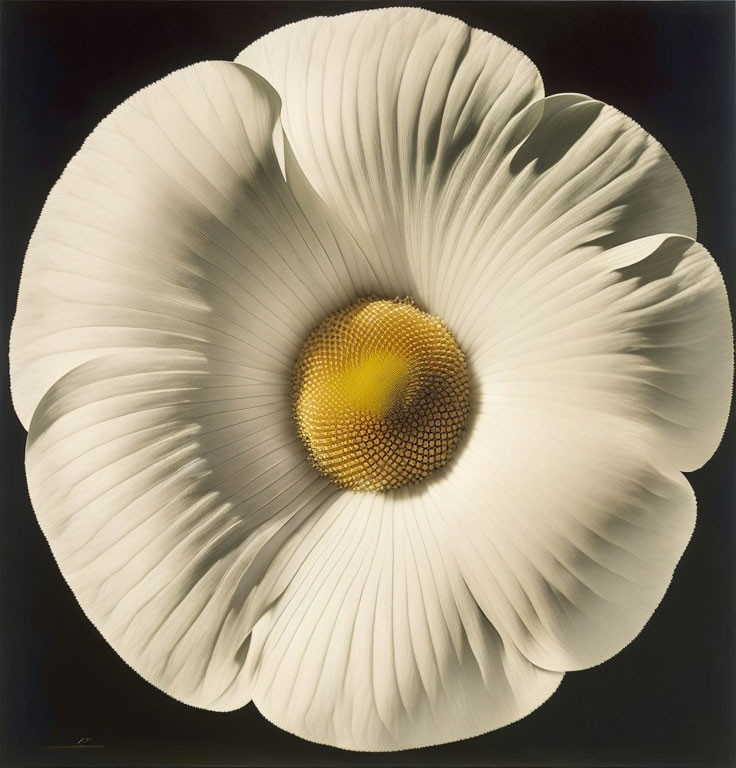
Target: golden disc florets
x,y
381,395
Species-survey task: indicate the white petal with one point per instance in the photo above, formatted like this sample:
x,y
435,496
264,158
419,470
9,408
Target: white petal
x,y
606,377
399,117
641,331
567,525
164,484
601,349
173,227
586,180
376,643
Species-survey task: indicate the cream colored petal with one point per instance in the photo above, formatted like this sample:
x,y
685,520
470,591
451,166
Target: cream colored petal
x,y
397,116
641,332
173,227
466,188
165,483
586,180
376,643
608,375
568,526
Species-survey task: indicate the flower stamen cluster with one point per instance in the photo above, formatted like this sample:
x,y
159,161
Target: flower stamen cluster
x,y
381,395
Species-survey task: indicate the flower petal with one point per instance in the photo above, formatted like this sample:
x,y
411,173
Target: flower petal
x,y
568,526
173,227
640,331
586,180
376,643
608,376
397,116
164,483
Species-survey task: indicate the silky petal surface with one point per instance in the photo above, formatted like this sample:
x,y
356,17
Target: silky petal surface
x,y
554,236
431,142
568,527
570,506
398,118
587,179
640,332
376,643
557,243
165,483
173,227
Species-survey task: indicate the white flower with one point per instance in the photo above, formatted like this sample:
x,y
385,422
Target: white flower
x,y
211,223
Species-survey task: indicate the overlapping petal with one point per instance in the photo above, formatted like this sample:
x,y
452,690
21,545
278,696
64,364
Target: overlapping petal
x,y
376,642
165,483
585,180
569,489
399,118
627,332
173,226
557,244
570,526
191,246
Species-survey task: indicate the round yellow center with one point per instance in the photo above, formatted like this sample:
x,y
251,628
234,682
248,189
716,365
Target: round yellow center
x,y
381,395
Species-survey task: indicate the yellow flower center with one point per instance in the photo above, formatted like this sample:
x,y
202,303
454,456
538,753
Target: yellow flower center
x,y
381,395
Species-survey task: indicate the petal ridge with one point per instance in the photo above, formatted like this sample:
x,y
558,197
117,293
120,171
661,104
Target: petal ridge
x,y
173,226
162,528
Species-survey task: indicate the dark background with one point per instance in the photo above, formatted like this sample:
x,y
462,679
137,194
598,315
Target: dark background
x,y
668,699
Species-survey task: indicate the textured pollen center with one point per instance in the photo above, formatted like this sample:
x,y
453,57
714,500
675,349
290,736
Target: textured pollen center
x,y
381,395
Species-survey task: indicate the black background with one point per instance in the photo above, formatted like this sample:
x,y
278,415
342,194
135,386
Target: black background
x,y
667,699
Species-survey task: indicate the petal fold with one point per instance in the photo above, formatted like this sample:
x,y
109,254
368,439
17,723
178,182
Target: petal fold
x,y
173,227
567,526
586,179
639,332
376,643
398,118
609,374
164,483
